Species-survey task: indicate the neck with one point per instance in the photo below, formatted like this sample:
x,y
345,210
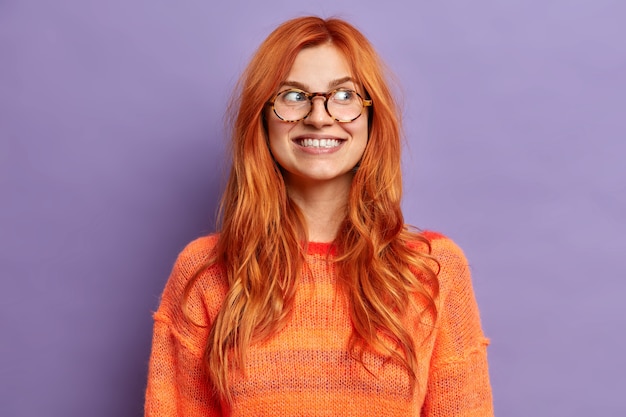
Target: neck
x,y
323,205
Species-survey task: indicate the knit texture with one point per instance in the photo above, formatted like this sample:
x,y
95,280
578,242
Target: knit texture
x,y
306,368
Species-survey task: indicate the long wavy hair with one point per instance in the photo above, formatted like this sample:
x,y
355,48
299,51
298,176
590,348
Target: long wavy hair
x,y
262,231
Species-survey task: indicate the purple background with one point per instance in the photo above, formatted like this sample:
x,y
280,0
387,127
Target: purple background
x,y
111,159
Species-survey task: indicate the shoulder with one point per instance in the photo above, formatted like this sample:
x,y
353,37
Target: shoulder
x,y
439,247
449,261
193,263
445,250
194,255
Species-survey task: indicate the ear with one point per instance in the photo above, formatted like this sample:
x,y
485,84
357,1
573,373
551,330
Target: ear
x,y
264,123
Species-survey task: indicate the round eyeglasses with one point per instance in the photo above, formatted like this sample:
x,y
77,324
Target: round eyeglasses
x,y
343,105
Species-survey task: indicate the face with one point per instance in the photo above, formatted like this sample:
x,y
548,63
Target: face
x,y
318,149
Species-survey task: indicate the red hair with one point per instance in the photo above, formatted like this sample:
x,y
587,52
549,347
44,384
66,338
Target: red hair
x,y
262,230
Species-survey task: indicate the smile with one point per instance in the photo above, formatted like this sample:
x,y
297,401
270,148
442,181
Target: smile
x,y
319,143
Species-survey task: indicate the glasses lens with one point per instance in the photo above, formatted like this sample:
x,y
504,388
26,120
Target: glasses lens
x,y
292,105
345,105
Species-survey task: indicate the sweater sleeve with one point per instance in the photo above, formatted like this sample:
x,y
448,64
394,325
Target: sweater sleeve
x,y
178,384
458,383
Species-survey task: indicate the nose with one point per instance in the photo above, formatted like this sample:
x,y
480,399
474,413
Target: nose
x,y
318,117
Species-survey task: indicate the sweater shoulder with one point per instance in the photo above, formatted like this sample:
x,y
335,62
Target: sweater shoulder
x,y
452,263
195,254
444,249
192,263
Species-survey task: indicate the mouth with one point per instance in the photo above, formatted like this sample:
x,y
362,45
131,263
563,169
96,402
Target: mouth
x,y
323,143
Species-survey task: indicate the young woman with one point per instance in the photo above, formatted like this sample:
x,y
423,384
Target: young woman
x,y
315,299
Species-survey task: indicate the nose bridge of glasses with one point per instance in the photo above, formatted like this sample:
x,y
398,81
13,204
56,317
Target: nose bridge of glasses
x,y
324,97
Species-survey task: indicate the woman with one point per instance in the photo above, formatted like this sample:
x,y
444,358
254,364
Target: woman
x,y
315,299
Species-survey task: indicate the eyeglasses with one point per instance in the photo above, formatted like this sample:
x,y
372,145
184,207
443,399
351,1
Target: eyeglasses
x,y
343,105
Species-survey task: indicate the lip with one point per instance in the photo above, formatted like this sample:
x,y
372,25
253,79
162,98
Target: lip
x,y
317,151
316,136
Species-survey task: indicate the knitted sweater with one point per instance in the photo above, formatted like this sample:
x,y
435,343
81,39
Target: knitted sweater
x,y
306,368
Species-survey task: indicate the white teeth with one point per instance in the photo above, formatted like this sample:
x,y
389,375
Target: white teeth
x,y
319,143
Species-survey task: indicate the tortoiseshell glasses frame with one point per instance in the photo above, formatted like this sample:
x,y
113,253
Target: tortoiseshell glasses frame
x,y
302,104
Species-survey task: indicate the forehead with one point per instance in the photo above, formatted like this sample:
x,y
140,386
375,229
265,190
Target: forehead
x,y
318,67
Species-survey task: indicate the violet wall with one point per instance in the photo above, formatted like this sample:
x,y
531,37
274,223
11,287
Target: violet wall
x,y
112,157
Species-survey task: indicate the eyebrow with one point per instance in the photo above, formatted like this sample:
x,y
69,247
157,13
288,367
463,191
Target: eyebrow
x,y
331,85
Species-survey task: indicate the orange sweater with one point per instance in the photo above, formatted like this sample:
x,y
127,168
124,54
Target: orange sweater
x,y
306,369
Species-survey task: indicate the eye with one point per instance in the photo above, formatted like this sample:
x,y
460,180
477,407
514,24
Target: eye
x,y
344,96
294,96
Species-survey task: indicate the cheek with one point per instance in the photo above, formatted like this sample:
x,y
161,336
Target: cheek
x,y
278,135
359,130
362,132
